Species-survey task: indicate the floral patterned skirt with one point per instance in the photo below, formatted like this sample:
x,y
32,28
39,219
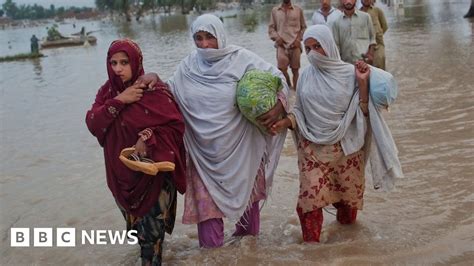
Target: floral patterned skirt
x,y
327,176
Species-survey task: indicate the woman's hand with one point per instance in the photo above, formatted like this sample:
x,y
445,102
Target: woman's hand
x,y
131,94
140,148
270,117
362,70
280,126
361,66
148,80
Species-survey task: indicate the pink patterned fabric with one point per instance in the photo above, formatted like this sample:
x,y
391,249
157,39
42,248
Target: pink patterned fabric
x,y
327,176
198,203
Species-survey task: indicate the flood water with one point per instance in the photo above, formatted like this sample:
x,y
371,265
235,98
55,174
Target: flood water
x,y
52,171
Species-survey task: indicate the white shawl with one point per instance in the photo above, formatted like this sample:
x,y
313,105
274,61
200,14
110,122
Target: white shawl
x,y
327,111
225,147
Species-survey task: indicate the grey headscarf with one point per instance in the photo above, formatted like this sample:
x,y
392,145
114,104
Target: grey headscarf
x,y
327,111
225,147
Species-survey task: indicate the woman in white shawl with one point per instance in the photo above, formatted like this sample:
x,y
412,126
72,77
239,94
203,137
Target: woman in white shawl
x,y
231,163
330,122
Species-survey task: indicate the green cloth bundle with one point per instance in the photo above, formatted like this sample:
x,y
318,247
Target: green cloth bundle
x,y
257,94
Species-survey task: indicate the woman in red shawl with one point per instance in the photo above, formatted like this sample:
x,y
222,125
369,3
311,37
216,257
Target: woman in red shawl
x,y
125,114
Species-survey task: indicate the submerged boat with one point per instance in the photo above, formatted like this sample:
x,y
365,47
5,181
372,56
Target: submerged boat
x,y
70,41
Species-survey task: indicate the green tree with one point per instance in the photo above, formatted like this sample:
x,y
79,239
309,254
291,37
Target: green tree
x,y
143,6
10,8
246,3
105,5
60,11
203,5
124,7
150,5
37,12
139,7
166,5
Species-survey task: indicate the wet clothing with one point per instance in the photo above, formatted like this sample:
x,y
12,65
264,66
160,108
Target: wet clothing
x,y
200,209
226,149
211,232
117,126
199,205
157,120
328,176
327,111
151,228
330,133
312,222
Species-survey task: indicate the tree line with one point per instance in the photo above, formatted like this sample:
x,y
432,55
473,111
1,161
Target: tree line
x,y
139,7
13,11
128,8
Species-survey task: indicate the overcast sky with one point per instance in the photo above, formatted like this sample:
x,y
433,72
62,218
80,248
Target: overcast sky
x,y
56,3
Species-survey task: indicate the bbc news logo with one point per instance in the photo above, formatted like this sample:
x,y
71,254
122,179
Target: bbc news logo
x,y
66,237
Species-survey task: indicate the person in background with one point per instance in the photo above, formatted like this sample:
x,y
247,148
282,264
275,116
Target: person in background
x,y
286,28
124,115
380,27
326,14
341,5
82,34
34,44
354,34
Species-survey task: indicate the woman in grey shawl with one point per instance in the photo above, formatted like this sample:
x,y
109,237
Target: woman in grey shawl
x,y
330,121
231,163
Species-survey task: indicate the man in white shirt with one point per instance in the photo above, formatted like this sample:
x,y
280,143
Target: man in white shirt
x,y
327,14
